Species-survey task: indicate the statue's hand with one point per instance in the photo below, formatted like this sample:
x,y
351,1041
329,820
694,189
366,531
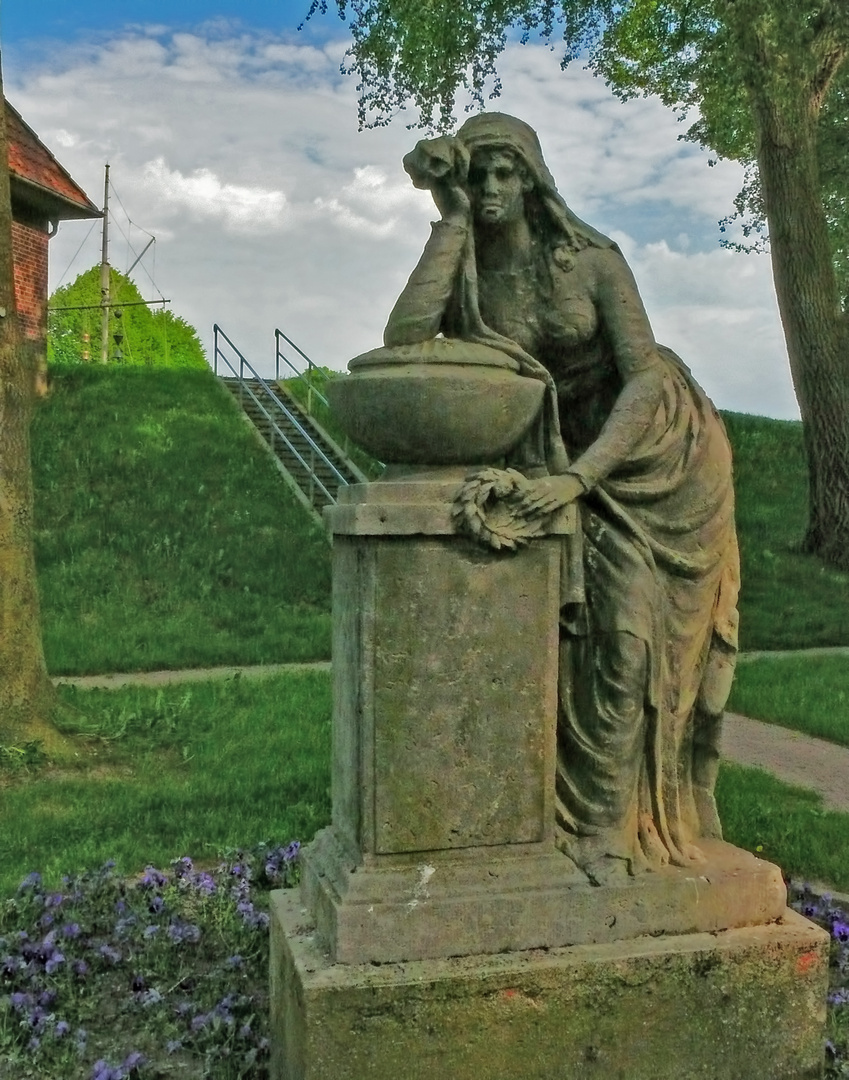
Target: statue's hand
x,y
548,494
452,201
442,165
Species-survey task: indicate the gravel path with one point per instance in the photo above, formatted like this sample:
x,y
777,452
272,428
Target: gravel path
x,y
163,678
790,756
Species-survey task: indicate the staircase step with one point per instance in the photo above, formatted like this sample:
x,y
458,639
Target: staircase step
x,y
313,473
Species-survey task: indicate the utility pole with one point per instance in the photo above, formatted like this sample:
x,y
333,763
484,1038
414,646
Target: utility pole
x,y
104,275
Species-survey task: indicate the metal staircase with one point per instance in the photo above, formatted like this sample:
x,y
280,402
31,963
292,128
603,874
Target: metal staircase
x,y
312,463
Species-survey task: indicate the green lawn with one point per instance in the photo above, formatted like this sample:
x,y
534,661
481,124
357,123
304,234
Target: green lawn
x,y
185,769
197,768
805,693
784,824
788,600
165,537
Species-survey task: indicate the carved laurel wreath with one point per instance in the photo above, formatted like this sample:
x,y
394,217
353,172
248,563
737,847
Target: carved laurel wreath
x,y
486,507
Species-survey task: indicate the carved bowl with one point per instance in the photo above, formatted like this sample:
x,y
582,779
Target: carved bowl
x,y
438,402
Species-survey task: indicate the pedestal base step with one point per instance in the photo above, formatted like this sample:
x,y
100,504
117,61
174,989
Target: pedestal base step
x,y
746,1004
509,899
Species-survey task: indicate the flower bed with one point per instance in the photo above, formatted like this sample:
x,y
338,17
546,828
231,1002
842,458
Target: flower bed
x,y
116,979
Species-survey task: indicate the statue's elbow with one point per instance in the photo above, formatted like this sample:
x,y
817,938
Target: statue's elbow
x,y
404,332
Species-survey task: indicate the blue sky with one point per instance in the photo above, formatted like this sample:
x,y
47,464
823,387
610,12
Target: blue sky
x,y
233,139
28,20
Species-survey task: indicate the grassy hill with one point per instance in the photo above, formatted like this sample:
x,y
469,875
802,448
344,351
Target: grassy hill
x,y
165,537
788,600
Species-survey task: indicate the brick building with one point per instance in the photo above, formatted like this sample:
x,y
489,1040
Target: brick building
x,y
43,194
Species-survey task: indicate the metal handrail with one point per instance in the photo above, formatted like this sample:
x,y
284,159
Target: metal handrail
x,y
280,355
240,375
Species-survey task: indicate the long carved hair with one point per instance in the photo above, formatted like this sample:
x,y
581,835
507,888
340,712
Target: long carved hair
x,y
560,230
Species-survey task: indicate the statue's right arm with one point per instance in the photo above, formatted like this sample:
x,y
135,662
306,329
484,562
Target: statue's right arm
x,y
419,310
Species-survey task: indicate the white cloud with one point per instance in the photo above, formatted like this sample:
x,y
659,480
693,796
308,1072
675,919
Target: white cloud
x,y
240,151
65,138
371,203
241,208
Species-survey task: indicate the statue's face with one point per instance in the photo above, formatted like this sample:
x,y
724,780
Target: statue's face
x,y
497,186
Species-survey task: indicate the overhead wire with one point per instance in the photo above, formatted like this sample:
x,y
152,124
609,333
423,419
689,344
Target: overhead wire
x,y
137,226
138,260
76,253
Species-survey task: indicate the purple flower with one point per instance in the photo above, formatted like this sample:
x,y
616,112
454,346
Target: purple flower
x,y
151,931
11,964
31,881
55,961
205,883
62,1028
222,1010
156,905
153,878
71,930
108,953
37,1018
235,961
182,867
180,932
80,968
103,1071
841,931
200,1021
133,1060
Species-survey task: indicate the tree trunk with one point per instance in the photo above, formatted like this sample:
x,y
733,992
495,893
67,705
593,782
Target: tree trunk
x,y
27,698
809,303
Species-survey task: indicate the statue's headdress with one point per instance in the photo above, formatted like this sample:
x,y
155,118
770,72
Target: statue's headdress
x,y
500,131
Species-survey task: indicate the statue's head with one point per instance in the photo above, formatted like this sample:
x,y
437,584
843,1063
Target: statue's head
x,y
498,131
499,142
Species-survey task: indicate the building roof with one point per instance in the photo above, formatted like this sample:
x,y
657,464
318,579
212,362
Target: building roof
x,y
36,177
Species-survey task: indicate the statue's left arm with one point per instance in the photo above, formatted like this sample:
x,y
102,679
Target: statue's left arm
x,y
624,323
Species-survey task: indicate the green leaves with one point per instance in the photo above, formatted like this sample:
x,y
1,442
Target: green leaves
x,y
711,60
424,51
138,333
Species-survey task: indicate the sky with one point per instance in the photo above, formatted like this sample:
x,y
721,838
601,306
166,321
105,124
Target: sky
x,y
232,138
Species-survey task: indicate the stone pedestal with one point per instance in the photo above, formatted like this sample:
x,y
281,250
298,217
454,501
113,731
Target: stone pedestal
x,y
439,932
445,696
745,1004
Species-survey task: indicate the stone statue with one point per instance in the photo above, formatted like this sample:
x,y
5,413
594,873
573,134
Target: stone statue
x,y
648,625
